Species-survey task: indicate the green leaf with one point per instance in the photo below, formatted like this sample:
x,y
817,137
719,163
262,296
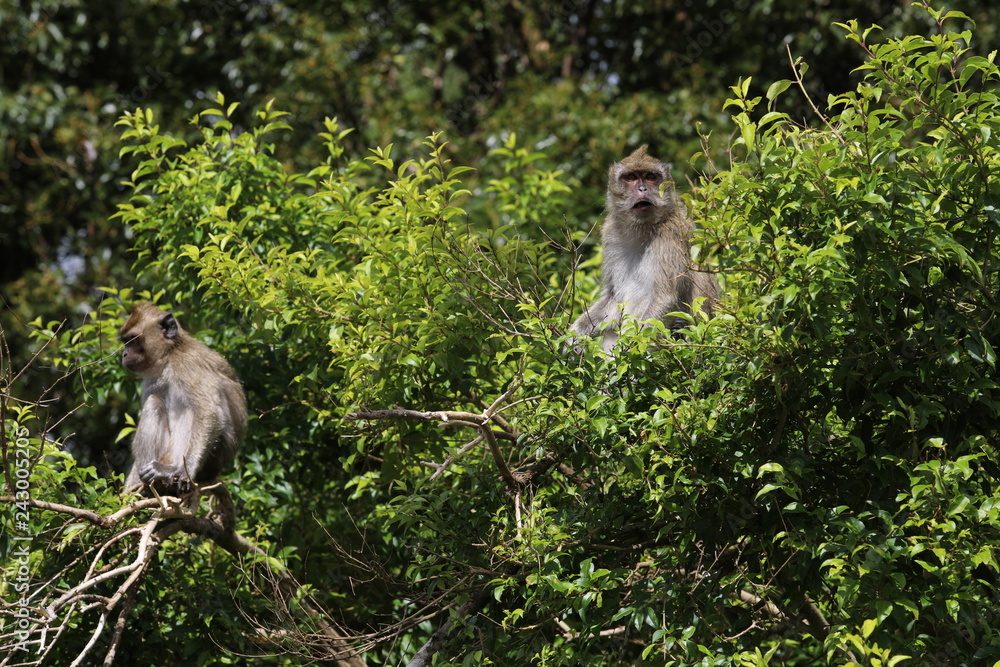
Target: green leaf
x,y
776,88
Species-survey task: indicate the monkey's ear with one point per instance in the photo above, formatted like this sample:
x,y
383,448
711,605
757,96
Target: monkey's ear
x,y
168,325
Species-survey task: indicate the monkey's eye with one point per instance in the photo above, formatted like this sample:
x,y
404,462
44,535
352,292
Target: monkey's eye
x,y
630,177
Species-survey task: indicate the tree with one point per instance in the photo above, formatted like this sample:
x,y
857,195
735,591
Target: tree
x,y
592,78
807,478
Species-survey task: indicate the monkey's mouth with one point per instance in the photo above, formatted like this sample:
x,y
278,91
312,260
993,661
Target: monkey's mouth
x,y
642,204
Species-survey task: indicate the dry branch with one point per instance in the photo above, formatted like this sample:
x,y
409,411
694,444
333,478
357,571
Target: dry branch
x,y
480,422
423,657
52,610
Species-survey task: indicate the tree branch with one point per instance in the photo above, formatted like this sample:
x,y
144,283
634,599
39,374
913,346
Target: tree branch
x,y
480,422
423,657
54,612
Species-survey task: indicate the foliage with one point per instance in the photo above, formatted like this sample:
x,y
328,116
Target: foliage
x,y
808,478
591,76
861,255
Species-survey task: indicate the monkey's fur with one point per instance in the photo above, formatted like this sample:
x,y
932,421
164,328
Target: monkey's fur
x,y
646,268
194,413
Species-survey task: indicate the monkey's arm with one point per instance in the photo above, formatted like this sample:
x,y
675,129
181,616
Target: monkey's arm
x,y
596,318
152,437
180,456
686,289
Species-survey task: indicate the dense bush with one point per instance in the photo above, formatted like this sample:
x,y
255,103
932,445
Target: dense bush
x,y
808,478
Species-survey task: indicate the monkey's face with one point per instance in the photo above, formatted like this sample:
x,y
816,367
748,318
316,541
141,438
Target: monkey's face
x,y
148,337
643,188
637,195
134,355
639,191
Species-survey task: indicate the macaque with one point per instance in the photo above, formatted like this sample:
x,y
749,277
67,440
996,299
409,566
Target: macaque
x,y
194,413
647,270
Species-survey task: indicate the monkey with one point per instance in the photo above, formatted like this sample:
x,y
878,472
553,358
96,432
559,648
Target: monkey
x,y
646,269
194,412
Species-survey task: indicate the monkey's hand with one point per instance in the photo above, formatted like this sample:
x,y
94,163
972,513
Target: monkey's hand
x,y
165,478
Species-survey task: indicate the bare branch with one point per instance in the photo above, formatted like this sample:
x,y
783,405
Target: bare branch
x,y
440,467
89,515
55,611
423,657
480,422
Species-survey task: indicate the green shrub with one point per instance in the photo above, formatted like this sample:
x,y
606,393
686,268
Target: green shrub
x,y
808,478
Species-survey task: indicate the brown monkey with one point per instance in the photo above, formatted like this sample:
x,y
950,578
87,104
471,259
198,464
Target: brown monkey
x,y
194,413
647,269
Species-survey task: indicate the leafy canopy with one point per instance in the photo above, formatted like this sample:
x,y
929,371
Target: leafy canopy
x,y
808,478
